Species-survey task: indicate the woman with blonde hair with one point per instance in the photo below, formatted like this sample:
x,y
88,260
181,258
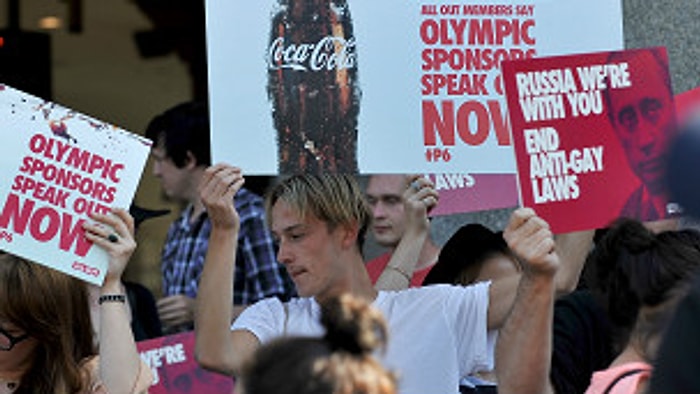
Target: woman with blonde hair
x,y
340,362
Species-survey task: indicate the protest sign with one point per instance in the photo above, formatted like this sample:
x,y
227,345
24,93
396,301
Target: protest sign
x,y
590,134
175,370
58,166
380,87
461,193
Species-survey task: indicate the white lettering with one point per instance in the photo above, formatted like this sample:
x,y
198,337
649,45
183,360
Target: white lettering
x,y
329,53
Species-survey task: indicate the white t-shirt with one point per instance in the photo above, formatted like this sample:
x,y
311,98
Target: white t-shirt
x,y
437,334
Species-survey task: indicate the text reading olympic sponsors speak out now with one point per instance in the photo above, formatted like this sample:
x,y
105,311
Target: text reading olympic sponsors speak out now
x,y
460,63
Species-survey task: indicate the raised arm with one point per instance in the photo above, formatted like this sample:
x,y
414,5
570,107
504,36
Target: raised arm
x,y
217,347
572,249
120,365
524,347
419,198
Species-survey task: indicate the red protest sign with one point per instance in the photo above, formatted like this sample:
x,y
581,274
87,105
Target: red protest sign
x,y
590,134
175,370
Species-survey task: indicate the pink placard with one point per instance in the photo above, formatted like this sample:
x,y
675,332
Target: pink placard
x,y
461,193
590,134
175,371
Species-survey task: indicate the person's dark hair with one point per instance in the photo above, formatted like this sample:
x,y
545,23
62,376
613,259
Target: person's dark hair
x,y
339,362
462,256
634,268
51,307
181,129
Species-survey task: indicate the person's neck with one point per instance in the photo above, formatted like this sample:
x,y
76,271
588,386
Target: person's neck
x,y
192,196
628,355
356,282
197,210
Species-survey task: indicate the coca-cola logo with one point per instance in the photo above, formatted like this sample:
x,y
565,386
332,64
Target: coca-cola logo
x,y
328,53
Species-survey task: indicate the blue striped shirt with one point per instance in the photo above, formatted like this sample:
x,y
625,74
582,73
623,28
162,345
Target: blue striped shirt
x,y
258,274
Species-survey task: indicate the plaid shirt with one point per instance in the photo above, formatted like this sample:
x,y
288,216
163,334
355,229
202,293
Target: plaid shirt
x,y
258,274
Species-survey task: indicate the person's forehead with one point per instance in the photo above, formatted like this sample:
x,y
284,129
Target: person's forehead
x,y
652,88
625,98
158,150
285,217
386,185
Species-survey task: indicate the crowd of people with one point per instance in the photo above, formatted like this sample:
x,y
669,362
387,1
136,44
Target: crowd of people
x,y
281,298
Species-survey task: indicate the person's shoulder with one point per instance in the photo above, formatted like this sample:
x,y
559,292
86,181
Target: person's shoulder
x,y
267,306
444,304
444,288
304,305
626,378
270,317
295,303
245,195
266,302
436,294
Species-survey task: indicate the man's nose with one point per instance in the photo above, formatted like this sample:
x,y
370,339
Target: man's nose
x,y
283,255
378,210
646,138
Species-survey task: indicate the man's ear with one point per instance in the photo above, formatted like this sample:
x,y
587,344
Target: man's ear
x,y
190,161
349,234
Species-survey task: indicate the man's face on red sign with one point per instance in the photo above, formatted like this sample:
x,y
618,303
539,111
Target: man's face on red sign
x,y
644,120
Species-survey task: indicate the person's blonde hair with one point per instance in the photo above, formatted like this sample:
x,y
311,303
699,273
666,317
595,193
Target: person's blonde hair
x,y
335,199
341,362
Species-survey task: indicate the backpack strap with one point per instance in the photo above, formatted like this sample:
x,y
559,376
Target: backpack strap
x,y
622,376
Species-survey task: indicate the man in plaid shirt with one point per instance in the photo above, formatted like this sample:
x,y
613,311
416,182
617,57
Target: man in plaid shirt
x,y
181,154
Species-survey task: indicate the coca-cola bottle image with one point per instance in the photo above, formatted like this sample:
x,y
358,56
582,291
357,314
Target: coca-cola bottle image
x,y
313,87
